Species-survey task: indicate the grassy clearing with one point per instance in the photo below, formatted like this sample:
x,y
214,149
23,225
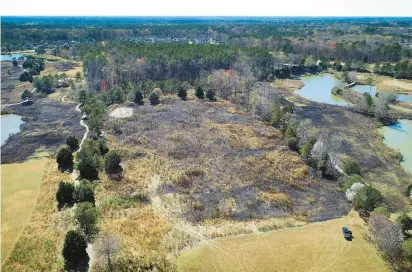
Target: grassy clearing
x,y
401,86
288,84
20,184
58,65
386,83
39,246
315,247
52,68
402,107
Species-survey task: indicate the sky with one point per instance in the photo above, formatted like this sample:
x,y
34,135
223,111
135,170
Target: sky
x,y
210,7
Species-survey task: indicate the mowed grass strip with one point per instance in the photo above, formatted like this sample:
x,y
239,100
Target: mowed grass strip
x,y
315,247
20,184
39,246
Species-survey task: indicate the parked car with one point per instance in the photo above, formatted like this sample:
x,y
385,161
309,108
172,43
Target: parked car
x,y
347,233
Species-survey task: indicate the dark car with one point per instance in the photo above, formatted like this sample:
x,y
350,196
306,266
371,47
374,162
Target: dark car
x,y
347,233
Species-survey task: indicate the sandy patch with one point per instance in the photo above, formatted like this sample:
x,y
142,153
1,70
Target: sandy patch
x,y
121,112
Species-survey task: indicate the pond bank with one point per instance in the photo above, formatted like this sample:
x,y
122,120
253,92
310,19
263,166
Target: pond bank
x,y
47,126
399,137
10,124
318,88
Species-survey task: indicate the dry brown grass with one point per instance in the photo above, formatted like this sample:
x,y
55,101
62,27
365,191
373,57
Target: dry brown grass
x,y
287,167
39,246
20,184
243,136
275,199
201,149
314,247
386,83
139,228
195,170
125,212
288,84
52,67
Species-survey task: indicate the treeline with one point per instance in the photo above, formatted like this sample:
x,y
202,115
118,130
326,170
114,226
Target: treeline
x,y
295,49
401,69
118,64
108,29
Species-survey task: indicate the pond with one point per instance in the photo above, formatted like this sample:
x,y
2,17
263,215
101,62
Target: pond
x,y
10,57
10,124
318,88
399,137
372,90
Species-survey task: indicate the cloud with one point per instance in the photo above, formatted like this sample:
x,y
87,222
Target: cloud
x,y
211,8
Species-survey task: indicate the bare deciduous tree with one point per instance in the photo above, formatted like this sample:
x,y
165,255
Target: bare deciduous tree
x,y
387,234
381,108
304,131
108,246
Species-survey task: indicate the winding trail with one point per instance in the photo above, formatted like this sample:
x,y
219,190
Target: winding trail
x,y
83,124
76,179
74,173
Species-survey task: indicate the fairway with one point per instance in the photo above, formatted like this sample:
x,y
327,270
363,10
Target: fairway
x,y
315,247
20,183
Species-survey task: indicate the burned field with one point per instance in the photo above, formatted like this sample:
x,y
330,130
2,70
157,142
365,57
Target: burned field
x,y
360,140
10,83
216,163
46,126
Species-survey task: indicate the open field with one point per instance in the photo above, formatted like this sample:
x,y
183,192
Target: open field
x,y
289,84
20,184
70,68
58,65
225,164
398,85
39,246
315,247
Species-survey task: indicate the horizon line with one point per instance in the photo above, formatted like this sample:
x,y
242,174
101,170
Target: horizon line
x,y
211,16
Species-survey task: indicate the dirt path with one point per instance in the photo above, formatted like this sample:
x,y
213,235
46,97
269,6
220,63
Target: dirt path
x,y
83,124
178,222
74,174
15,104
76,178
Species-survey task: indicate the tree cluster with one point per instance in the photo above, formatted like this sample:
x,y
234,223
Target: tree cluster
x,y
67,193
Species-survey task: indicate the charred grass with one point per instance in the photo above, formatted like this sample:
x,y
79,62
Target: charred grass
x,y
362,141
215,162
46,126
11,87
